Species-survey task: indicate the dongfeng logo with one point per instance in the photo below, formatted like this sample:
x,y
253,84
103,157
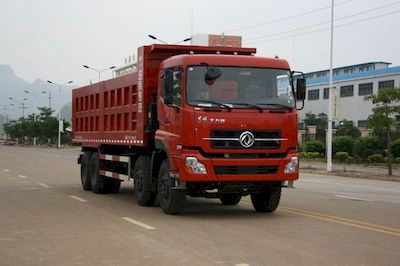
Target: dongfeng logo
x,y
246,139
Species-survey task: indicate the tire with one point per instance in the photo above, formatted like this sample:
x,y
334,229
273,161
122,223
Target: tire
x,y
171,201
266,201
143,181
112,185
230,199
97,181
85,175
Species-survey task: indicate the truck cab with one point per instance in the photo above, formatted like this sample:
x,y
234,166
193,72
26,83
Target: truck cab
x,y
228,124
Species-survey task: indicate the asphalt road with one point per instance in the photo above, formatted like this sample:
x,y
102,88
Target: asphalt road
x,y
47,219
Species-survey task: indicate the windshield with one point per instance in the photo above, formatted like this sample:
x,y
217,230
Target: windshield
x,y
239,87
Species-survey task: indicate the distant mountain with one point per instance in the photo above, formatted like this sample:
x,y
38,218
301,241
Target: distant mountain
x,y
38,94
9,81
66,112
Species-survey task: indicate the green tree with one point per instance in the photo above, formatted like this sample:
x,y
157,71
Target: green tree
x,y
347,128
320,121
383,117
44,126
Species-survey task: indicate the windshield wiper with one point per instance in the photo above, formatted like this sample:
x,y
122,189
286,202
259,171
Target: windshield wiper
x,y
213,102
251,105
275,105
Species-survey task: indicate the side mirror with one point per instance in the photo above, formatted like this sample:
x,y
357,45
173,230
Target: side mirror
x,y
301,89
212,74
168,84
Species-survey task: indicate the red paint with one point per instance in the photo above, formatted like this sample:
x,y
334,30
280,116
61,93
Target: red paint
x,y
114,113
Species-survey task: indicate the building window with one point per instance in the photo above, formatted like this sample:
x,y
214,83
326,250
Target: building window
x,y
326,93
385,84
362,123
348,71
347,91
313,95
365,89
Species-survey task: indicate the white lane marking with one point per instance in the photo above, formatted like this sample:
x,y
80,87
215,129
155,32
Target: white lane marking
x,y
22,176
77,198
7,170
135,222
44,185
352,198
242,264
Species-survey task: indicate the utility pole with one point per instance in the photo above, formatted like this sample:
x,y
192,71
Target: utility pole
x,y
330,103
23,107
50,97
60,122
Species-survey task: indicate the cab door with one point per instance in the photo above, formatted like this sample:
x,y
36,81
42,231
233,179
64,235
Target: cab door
x,y
170,111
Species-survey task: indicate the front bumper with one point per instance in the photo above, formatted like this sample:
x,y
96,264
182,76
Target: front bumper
x,y
221,169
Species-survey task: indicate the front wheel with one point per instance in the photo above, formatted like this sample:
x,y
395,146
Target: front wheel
x,y
266,201
171,200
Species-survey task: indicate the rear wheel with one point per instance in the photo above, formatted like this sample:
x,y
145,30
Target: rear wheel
x,y
143,181
85,174
96,180
266,201
171,200
230,199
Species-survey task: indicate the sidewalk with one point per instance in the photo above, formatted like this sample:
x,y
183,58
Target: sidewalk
x,y
351,170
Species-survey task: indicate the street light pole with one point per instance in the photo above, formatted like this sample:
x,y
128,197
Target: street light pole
x,y
99,71
23,107
155,38
330,104
60,124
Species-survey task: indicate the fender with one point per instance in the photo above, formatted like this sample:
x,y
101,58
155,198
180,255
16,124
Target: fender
x,y
161,147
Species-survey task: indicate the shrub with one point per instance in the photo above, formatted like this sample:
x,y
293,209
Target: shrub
x,y
314,146
303,155
343,144
376,158
314,155
396,148
342,156
309,155
366,146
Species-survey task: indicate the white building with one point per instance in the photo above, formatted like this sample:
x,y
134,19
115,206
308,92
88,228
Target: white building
x,y
352,84
129,67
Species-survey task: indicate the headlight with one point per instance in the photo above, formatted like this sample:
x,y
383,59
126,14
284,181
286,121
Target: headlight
x,y
292,166
194,166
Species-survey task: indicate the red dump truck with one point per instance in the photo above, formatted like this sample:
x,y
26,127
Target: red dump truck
x,y
199,121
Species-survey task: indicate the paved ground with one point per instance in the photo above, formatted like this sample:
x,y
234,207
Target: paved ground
x,y
47,219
